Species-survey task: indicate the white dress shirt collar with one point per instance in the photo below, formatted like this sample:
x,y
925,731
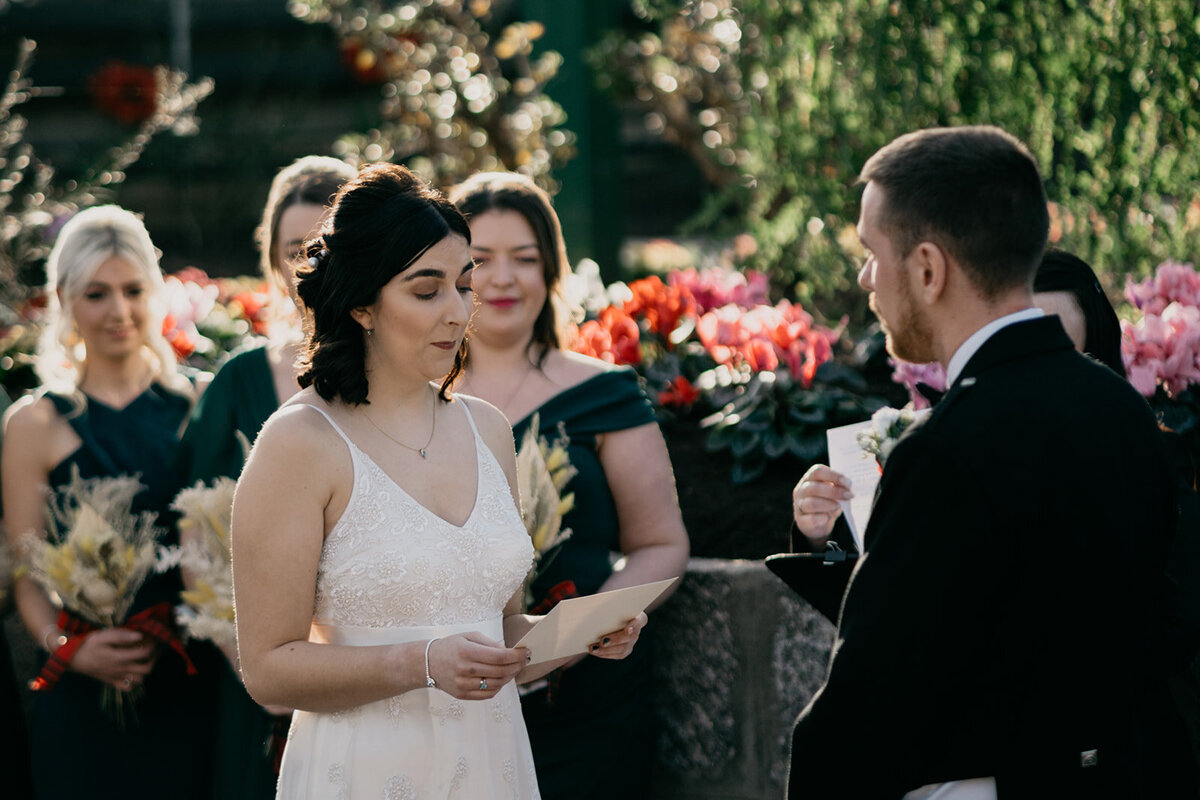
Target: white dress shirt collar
x,y
971,346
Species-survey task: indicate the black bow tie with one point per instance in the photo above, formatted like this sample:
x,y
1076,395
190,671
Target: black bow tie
x,y
929,393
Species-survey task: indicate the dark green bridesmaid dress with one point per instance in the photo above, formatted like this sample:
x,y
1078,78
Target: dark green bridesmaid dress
x,y
77,750
227,419
596,717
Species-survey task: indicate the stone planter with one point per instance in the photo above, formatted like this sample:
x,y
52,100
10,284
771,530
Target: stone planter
x,y
739,655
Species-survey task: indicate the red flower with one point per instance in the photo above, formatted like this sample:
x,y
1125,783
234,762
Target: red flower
x,y
179,341
679,392
128,92
661,306
614,337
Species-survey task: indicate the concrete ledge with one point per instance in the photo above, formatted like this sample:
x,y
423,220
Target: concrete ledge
x,y
739,655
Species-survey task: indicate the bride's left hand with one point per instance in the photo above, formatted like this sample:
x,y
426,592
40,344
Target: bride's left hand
x,y
619,644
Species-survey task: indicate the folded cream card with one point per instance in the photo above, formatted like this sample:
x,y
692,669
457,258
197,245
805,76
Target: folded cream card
x,y
577,622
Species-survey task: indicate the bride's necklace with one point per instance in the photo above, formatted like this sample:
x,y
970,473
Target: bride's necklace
x,y
420,450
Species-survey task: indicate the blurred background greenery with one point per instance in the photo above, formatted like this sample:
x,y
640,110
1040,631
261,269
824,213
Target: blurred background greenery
x,y
675,134
648,118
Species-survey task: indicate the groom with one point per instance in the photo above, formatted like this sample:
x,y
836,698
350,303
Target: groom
x,y
997,637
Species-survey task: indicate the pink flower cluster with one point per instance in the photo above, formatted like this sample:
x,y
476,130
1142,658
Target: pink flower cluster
x,y
716,287
1163,347
764,337
909,375
1172,282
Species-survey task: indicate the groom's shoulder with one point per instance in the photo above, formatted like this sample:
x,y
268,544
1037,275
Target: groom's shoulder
x,y
1026,397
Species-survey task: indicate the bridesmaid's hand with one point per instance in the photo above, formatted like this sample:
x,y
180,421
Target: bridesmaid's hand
x,y
619,644
116,656
470,666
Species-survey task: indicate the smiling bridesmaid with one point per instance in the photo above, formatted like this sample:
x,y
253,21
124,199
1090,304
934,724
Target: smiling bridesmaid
x,y
593,711
112,403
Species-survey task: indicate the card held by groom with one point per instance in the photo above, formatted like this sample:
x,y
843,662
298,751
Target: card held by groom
x,y
1001,627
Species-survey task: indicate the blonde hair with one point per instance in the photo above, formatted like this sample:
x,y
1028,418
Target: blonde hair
x,y
89,239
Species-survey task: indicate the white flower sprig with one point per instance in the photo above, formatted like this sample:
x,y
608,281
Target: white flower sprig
x,y
204,555
543,471
887,424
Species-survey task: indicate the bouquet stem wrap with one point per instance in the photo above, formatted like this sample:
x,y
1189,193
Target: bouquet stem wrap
x,y
155,622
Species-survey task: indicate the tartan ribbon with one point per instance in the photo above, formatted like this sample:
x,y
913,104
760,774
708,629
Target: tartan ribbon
x,y
154,622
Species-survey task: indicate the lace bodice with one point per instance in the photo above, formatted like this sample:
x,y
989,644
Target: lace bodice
x,y
391,562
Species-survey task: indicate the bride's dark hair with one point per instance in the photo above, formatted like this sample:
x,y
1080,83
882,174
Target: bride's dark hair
x,y
381,222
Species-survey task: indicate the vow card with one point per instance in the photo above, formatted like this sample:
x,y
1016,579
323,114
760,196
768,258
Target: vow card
x,y
577,622
847,457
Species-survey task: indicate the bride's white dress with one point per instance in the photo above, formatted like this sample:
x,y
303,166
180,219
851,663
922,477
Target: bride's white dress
x,y
392,571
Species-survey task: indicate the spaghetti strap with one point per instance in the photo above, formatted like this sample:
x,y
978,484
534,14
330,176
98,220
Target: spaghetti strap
x,y
332,424
471,420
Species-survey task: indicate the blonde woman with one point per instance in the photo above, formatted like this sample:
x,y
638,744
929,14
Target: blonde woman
x,y
112,403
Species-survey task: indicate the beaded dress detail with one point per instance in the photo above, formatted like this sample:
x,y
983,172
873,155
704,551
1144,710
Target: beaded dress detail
x,y
392,571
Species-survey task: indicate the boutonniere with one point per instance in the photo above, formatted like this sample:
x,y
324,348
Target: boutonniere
x,y
887,425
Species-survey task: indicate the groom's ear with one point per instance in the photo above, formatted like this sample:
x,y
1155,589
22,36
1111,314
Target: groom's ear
x,y
930,268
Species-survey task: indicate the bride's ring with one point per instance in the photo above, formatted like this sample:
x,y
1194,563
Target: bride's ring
x,y
483,684
128,682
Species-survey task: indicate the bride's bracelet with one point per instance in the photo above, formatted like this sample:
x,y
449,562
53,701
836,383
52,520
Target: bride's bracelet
x,y
429,681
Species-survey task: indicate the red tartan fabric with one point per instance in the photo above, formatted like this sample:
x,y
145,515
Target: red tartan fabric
x,y
154,621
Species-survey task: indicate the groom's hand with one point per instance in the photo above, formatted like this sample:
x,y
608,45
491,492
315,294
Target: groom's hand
x,y
815,503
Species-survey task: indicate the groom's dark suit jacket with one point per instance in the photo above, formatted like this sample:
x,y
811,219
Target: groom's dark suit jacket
x,y
1005,617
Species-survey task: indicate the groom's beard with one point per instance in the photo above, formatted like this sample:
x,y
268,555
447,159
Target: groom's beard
x,y
910,334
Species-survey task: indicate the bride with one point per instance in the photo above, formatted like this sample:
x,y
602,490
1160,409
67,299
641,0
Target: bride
x,y
378,551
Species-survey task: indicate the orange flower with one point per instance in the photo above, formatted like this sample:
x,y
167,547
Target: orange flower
x,y
660,305
253,306
179,341
614,338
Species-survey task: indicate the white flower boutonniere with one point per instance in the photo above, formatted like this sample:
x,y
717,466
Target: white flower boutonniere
x,y
887,424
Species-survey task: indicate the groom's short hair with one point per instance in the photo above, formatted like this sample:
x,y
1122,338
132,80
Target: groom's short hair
x,y
975,191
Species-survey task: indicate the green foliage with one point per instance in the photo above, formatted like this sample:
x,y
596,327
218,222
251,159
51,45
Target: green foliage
x,y
456,98
781,101
773,414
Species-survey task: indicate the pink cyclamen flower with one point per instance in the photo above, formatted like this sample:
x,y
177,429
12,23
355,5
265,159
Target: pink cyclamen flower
x,y
1172,282
1163,349
909,375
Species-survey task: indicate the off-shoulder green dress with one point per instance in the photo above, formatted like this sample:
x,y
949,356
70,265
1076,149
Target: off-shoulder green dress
x,y
598,714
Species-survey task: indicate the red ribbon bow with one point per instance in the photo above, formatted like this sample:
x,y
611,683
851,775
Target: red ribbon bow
x,y
155,622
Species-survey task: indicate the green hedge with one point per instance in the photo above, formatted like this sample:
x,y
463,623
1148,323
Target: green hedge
x,y
781,102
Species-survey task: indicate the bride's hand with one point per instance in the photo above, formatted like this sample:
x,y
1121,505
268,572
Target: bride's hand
x,y
619,644
470,666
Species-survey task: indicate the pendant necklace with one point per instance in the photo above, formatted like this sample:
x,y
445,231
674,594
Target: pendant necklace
x,y
419,450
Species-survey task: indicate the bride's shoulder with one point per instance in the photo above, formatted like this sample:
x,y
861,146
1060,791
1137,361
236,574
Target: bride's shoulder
x,y
492,424
303,423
